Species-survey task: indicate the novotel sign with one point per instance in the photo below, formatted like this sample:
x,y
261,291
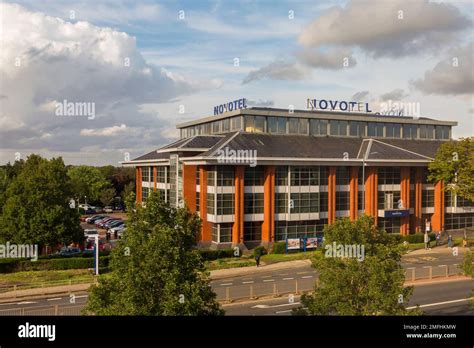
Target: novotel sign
x,y
230,106
337,105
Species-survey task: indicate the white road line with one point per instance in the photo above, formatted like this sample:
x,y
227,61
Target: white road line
x,y
225,284
81,296
26,302
267,276
247,282
278,312
441,303
306,277
269,280
54,299
274,306
288,278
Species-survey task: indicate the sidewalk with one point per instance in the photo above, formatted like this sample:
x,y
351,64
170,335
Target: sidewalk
x,y
443,249
28,293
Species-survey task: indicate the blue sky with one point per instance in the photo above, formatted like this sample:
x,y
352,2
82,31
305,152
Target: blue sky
x,y
288,51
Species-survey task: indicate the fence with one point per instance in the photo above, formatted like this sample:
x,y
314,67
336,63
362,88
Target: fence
x,y
15,290
45,310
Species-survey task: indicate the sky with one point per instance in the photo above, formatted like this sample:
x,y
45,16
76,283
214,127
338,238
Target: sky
x,y
141,67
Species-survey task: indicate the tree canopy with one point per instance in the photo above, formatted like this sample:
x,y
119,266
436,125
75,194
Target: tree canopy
x,y
87,182
370,285
155,269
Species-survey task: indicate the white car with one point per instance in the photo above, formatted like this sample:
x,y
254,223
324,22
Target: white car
x,y
90,232
86,206
108,209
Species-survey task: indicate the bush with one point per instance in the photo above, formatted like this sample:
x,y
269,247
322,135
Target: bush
x,y
260,250
210,255
418,237
18,265
279,248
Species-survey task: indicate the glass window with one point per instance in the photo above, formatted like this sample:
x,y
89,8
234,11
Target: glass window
x,y
161,171
206,128
303,126
281,203
281,176
305,202
318,127
253,231
225,176
426,132
146,174
410,131
393,130
338,127
255,124
304,176
225,204
375,129
389,175
216,127
276,125
342,201
357,129
210,204
249,124
442,132
343,176
292,125
236,123
253,176
226,125
253,203
259,124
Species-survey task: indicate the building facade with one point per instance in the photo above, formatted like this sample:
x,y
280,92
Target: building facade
x,y
260,175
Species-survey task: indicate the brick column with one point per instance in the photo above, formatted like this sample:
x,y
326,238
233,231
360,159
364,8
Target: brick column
x,y
238,227
206,233
437,219
189,186
405,197
353,193
155,174
268,205
417,224
371,191
138,184
331,195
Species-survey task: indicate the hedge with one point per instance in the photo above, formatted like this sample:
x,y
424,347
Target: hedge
x,y
279,248
209,255
259,250
18,265
418,237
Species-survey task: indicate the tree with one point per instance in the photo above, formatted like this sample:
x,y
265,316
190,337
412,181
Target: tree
x,y
155,269
87,182
454,164
107,196
128,189
36,209
369,285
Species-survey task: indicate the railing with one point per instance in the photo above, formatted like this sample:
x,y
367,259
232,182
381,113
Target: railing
x,y
45,310
45,284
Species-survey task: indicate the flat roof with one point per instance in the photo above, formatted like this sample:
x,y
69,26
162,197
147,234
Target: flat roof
x,y
318,114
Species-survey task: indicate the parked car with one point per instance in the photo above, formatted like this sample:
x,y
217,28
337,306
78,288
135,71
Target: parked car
x,y
86,206
90,211
108,209
90,232
67,252
102,222
92,219
117,228
112,223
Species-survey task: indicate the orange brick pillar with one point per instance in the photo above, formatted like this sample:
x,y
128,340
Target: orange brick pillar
x,y
206,233
138,184
155,174
353,193
238,227
371,190
417,224
405,197
331,195
268,205
189,186
437,219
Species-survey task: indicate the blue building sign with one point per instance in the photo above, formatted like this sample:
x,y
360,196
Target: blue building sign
x,y
230,106
396,213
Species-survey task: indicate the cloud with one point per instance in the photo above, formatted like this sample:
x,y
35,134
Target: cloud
x,y
452,76
46,60
332,59
261,103
277,70
396,94
360,96
391,29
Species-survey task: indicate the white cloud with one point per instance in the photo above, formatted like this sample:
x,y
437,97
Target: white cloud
x,y
277,70
106,132
396,95
332,59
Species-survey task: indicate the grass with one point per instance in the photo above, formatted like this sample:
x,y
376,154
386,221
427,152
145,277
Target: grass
x,y
457,241
35,277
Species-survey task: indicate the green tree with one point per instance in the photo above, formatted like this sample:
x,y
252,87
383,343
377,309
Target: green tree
x,y
371,285
37,208
128,189
107,196
454,164
87,182
155,269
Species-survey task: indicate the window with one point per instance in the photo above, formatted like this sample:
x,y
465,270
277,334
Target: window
x,y
145,193
426,132
253,176
255,124
253,231
225,176
442,132
210,203
276,125
281,176
225,204
281,203
318,127
198,201
390,225
304,176
211,177
206,128
393,130
146,174
162,194
343,176
222,233
375,129
304,202
323,176
459,221
226,125
388,175
427,198
360,200
338,127
216,127
357,129
297,125
410,131
198,175
463,202
342,200
253,203
236,123
161,172
299,229
323,201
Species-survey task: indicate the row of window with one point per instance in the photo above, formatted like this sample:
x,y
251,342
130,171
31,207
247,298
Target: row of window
x,y
299,229
319,127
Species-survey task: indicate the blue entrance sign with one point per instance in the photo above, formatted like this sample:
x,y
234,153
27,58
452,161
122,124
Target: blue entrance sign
x,y
396,213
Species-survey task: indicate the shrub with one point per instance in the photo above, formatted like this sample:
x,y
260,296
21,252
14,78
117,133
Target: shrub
x,y
279,248
210,255
259,250
18,265
419,237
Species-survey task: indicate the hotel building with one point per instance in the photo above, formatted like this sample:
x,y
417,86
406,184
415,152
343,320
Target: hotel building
x,y
260,175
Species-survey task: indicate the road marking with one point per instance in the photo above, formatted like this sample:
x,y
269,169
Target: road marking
x,y
269,280
267,276
262,306
288,278
26,302
54,299
81,296
225,284
301,272
440,303
247,282
306,277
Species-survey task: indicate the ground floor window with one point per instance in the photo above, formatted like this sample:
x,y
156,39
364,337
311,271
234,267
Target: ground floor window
x,y
145,193
391,225
299,229
458,221
222,233
253,231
